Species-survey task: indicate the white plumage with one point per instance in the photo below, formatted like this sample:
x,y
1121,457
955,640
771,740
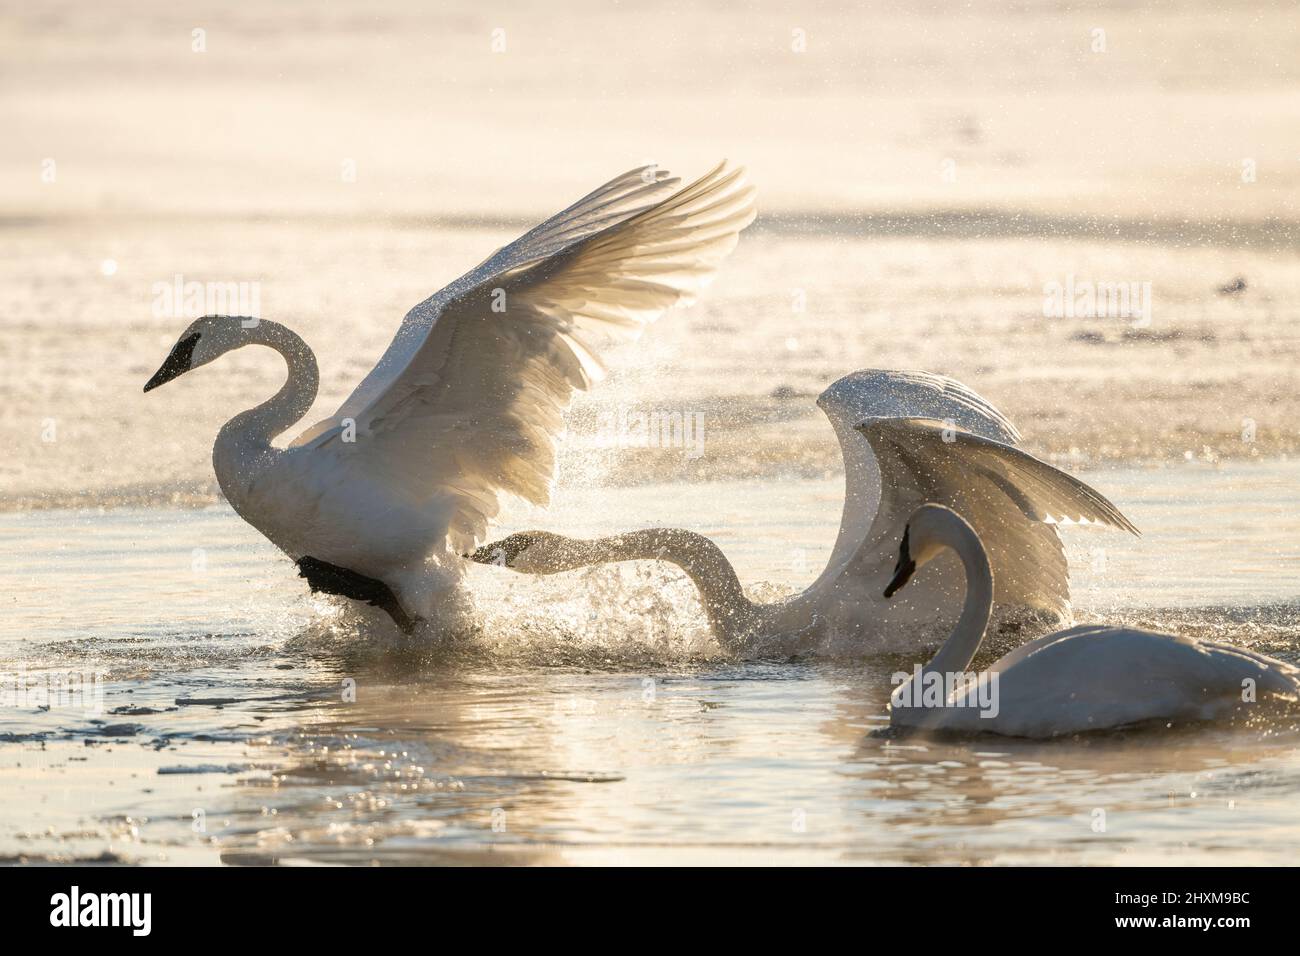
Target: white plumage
x,y
466,403
930,438
1081,679
949,445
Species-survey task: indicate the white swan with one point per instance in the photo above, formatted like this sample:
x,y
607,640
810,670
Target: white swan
x,y
952,447
1085,678
376,502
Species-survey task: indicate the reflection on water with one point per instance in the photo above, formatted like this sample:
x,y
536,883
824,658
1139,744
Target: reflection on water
x,y
592,720
761,761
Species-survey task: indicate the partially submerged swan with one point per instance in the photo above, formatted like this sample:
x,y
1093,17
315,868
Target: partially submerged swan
x,y
1085,678
377,502
927,438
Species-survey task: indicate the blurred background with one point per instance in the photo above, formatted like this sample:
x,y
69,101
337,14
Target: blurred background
x,y
924,171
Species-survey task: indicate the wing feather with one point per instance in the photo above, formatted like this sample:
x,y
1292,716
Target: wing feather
x,y
1005,493
468,401
890,393
893,393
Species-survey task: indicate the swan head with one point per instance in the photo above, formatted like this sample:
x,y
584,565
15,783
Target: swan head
x,y
206,340
529,552
927,533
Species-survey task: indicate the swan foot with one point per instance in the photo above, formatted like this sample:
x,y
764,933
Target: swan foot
x,y
331,579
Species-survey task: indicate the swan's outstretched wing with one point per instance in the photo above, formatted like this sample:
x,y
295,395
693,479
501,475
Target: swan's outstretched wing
x,y
1011,499
467,401
889,393
892,393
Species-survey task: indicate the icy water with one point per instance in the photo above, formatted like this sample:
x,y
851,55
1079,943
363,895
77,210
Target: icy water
x,y
591,719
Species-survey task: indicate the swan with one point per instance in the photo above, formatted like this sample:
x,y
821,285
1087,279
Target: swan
x,y
927,438
378,502
1085,678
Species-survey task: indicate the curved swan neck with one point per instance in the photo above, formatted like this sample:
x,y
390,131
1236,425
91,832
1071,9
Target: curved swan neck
x,y
243,445
257,427
729,611
959,650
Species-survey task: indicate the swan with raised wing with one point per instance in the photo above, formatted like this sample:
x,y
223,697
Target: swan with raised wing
x,y
377,502
927,438
1081,679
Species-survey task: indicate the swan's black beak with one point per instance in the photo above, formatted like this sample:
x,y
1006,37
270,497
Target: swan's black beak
x,y
900,578
177,364
904,569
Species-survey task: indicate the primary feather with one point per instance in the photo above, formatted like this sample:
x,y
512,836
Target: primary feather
x,y
467,402
378,501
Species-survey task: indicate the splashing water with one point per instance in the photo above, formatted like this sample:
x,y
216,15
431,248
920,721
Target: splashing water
x,y
590,716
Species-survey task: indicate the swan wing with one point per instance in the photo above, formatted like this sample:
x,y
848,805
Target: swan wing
x,y
1011,498
890,393
893,393
1042,492
467,402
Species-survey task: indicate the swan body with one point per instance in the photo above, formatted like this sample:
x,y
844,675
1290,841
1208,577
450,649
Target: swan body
x,y
378,502
1081,679
906,437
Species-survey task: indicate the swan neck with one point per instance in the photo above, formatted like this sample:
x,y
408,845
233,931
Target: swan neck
x,y
730,613
260,425
960,648
243,448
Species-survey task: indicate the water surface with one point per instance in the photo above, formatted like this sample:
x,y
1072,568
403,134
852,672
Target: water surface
x,y
591,718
